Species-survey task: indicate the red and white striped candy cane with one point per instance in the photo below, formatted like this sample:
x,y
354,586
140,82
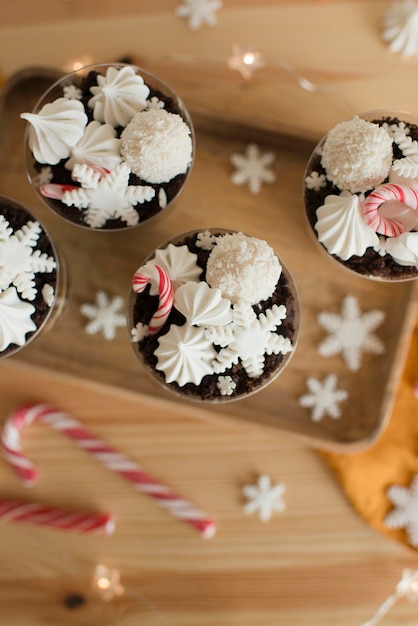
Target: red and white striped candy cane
x,y
385,193
155,274
41,515
113,460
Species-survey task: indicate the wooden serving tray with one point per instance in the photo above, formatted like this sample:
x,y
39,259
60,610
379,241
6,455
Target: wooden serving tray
x,y
106,261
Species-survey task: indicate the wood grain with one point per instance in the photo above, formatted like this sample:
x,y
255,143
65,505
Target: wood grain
x,y
317,563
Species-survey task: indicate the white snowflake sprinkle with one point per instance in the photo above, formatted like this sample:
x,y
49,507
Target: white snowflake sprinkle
x,y
253,168
139,332
155,103
19,258
323,397
162,198
48,294
205,240
199,12
315,181
44,177
225,385
249,338
405,514
105,315
351,333
264,498
71,92
107,197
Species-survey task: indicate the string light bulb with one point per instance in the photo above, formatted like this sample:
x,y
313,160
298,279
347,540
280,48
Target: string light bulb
x,y
245,61
106,583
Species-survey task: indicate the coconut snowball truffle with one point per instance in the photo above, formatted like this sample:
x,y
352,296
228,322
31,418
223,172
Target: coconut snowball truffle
x,y
360,195
213,342
109,147
243,267
157,145
357,155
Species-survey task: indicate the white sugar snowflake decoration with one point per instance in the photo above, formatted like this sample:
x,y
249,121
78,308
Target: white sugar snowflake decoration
x,y
205,240
226,385
407,166
351,333
400,27
323,397
106,197
19,258
155,103
199,12
249,338
253,168
264,498
44,177
315,181
105,315
71,92
139,332
405,514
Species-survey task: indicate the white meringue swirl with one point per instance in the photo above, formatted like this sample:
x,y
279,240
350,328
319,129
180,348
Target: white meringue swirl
x,y
341,226
118,96
201,305
56,129
98,147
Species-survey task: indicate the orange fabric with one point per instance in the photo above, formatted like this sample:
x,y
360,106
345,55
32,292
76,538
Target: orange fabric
x,y
392,460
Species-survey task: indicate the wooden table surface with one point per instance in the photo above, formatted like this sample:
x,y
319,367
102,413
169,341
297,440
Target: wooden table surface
x,y
316,563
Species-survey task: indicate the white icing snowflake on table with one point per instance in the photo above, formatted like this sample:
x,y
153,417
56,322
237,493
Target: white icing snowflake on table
x,y
249,338
71,92
315,181
109,197
400,27
199,12
205,240
252,168
105,315
19,258
226,385
264,498
351,333
324,397
405,514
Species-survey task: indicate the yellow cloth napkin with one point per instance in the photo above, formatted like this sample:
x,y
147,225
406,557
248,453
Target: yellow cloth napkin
x,y
392,460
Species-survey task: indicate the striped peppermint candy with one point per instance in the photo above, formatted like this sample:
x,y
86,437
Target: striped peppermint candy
x,y
385,193
41,515
113,460
161,280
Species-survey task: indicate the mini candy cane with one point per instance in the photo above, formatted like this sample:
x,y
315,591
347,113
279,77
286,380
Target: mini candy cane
x,y
34,513
113,460
384,193
155,274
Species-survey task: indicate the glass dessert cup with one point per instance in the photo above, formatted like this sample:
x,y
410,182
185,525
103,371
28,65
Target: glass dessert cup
x,y
222,347
109,146
32,278
369,229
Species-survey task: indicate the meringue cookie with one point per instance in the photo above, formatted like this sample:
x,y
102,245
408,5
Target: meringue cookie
x,y
15,319
118,96
56,129
341,226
